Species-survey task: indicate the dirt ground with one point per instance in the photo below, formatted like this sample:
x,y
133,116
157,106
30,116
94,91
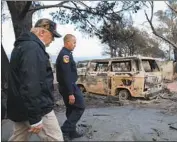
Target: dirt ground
x,y
107,119
137,119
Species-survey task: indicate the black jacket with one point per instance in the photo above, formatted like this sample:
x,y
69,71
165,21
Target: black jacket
x,y
30,92
66,71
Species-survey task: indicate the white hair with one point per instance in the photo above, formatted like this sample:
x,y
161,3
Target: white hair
x,y
36,30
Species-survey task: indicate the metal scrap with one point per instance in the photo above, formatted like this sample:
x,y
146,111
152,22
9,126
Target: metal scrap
x,y
172,127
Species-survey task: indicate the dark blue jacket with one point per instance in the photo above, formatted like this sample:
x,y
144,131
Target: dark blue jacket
x,y
30,92
66,70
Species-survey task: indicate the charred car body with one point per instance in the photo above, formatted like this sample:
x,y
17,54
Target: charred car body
x,y
122,77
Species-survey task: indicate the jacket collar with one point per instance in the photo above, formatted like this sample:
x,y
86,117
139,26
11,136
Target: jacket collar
x,y
64,48
36,39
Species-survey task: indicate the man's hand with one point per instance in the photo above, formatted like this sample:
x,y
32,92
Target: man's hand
x,y
71,99
36,129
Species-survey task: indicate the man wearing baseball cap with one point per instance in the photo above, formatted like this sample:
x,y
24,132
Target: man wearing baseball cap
x,y
30,100
48,25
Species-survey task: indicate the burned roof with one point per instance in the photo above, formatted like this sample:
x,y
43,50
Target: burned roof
x,y
119,58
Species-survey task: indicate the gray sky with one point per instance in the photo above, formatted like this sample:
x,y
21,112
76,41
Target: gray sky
x,y
86,47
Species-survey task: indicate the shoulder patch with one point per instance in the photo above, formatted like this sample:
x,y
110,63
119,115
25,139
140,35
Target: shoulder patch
x,y
66,59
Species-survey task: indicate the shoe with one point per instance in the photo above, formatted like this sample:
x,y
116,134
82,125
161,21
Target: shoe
x,y
75,134
66,137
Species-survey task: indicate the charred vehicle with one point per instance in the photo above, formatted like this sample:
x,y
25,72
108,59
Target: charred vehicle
x,y
122,77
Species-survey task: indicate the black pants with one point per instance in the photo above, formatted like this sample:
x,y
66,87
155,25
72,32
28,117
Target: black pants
x,y
3,104
73,112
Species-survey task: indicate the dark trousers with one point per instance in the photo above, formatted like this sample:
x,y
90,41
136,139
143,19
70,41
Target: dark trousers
x,y
3,104
73,112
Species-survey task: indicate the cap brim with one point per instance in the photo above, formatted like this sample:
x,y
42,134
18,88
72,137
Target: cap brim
x,y
56,34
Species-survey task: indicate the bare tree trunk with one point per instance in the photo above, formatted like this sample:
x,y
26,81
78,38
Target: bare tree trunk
x,y
131,51
21,18
175,54
114,52
153,29
120,52
169,52
111,51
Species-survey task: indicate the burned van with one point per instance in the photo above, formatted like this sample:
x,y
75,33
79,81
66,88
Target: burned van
x,y
122,77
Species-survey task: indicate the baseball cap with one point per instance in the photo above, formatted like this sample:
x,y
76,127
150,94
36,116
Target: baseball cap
x,y
48,25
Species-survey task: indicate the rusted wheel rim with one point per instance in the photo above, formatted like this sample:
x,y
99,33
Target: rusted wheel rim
x,y
123,95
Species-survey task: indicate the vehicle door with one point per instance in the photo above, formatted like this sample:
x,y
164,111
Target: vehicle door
x,y
153,76
121,74
97,77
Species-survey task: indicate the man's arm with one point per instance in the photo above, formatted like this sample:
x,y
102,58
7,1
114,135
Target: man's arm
x,y
66,68
30,82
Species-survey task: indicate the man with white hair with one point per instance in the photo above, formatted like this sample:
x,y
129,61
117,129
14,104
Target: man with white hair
x,y
30,100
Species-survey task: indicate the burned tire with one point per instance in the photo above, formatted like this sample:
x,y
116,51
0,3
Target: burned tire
x,y
148,98
123,95
82,88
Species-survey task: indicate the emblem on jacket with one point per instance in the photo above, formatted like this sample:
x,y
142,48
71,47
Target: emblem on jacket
x,y
66,59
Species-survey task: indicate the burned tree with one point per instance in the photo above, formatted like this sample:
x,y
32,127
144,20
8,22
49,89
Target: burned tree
x,y
75,12
125,40
168,30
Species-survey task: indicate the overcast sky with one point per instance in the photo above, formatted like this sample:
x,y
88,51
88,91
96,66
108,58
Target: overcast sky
x,y
86,47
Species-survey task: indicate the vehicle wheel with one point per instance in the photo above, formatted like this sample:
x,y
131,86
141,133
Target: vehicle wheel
x,y
147,97
123,95
81,88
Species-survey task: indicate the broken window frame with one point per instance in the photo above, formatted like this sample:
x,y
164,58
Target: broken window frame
x,y
150,62
92,68
122,61
84,66
102,63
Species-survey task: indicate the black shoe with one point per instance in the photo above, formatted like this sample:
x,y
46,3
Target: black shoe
x,y
66,137
75,134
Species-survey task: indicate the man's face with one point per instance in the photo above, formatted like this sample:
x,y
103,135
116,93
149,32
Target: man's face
x,y
72,43
48,37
